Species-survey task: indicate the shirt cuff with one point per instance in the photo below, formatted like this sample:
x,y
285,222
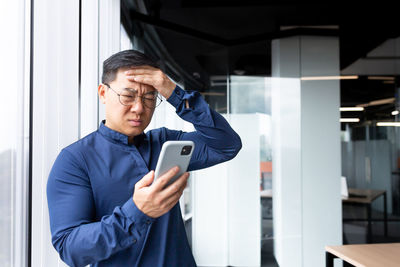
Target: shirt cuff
x,y
176,97
136,216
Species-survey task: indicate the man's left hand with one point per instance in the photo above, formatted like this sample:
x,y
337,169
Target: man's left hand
x,y
152,76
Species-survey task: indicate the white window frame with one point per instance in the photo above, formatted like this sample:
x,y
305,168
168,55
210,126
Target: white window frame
x,y
55,108
15,27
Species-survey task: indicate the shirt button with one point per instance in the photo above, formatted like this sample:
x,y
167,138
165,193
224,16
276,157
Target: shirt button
x,y
148,221
177,92
134,241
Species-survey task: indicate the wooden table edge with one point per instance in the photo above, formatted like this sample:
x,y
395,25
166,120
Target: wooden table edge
x,y
343,257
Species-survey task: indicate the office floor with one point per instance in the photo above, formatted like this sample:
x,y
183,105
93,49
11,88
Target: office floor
x,y
267,245
354,231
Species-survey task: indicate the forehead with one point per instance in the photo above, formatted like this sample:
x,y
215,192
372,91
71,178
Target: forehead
x,y
122,81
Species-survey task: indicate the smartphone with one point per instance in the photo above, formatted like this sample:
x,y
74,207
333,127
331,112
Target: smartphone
x,y
174,153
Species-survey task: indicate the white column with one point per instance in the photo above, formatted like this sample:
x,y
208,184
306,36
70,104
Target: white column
x,y
306,149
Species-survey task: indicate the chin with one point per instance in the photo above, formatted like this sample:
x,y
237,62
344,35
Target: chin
x,y
134,132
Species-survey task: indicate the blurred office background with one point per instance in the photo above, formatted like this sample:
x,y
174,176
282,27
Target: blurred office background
x,y
312,89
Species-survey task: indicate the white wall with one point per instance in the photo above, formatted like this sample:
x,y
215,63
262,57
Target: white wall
x,y
306,152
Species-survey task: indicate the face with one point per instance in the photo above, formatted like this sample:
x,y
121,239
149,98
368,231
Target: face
x,y
129,120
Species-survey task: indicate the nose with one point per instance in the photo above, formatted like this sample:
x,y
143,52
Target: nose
x,y
137,106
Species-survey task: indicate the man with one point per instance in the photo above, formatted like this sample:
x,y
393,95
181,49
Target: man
x,y
104,209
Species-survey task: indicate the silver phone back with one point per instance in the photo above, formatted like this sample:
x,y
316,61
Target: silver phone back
x,y
170,156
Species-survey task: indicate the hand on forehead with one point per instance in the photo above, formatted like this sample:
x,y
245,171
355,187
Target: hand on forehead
x,y
152,77
141,88
130,83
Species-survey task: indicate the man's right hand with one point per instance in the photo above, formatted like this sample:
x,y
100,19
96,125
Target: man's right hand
x,y
153,199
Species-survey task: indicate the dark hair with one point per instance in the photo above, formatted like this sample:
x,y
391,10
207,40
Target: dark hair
x,y
124,59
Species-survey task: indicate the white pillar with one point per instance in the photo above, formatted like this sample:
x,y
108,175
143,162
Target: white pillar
x,y
306,149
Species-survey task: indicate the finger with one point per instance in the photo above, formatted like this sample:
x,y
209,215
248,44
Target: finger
x,y
141,69
172,200
146,79
176,186
139,72
159,184
146,180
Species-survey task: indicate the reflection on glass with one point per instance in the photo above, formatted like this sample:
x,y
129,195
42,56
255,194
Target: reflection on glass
x,y
370,152
252,95
249,94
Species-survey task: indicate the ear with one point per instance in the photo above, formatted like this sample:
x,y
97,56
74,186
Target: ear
x,y
102,93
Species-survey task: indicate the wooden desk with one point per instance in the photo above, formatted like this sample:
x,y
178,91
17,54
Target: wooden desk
x,y
370,196
366,255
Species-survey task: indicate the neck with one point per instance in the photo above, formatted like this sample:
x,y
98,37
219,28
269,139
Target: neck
x,y
131,140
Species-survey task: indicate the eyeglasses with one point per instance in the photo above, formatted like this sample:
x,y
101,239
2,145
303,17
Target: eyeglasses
x,y
128,96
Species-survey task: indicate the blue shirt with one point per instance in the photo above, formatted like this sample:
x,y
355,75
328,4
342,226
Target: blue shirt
x,y
93,218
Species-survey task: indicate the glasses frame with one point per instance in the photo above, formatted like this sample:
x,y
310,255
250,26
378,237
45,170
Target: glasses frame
x,y
134,100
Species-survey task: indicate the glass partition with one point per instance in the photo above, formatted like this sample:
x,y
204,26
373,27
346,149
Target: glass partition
x,y
252,95
14,134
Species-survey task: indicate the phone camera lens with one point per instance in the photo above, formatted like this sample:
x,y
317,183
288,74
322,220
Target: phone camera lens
x,y
186,150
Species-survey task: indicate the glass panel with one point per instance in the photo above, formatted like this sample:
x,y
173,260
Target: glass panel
x,y
370,154
14,138
252,95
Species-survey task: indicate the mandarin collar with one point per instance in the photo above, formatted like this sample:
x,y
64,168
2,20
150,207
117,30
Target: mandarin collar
x,y
120,137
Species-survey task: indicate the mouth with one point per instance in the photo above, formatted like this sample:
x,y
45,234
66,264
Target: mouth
x,y
135,123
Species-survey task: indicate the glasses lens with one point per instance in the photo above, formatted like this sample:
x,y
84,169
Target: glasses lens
x,y
128,97
151,100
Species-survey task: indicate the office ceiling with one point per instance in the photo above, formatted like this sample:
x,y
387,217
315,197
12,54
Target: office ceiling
x,y
212,37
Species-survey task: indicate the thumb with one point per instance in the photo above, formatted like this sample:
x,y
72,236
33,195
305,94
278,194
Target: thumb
x,y
146,180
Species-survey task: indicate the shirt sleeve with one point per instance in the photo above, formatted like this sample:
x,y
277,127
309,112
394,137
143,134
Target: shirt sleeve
x,y
78,239
215,140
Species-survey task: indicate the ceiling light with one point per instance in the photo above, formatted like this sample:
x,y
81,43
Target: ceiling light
x,y
349,120
395,112
395,124
385,78
325,27
239,72
317,78
388,82
378,102
382,101
351,109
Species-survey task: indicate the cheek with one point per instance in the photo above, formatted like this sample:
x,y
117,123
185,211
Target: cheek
x,y
116,110
148,117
